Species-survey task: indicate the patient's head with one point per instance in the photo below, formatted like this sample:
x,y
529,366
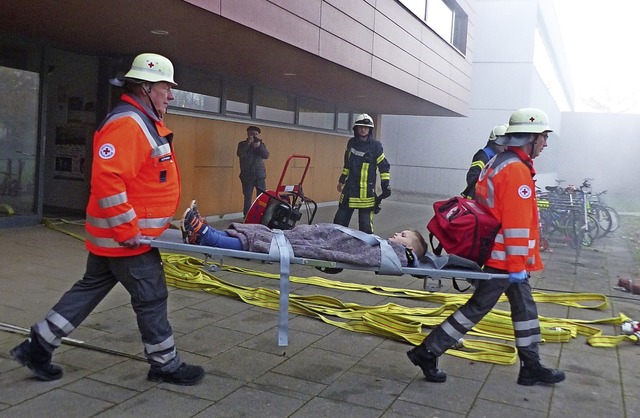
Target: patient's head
x,y
411,239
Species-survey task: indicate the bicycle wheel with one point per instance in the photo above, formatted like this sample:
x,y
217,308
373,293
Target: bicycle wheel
x,y
543,244
603,217
615,218
584,233
593,230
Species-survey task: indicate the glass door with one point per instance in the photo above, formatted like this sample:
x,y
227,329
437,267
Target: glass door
x,y
18,141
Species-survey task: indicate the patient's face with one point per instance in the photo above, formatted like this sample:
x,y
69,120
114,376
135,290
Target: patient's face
x,y
406,238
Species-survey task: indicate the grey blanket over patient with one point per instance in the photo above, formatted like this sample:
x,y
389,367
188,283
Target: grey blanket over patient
x,y
320,241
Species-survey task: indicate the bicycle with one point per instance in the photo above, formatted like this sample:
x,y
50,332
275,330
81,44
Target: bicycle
x,y
565,210
611,218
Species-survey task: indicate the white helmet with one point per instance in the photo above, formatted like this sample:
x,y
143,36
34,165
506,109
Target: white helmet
x,y
363,120
152,68
529,121
523,123
497,131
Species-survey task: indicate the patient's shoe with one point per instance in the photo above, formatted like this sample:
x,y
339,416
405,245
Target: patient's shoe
x,y
193,226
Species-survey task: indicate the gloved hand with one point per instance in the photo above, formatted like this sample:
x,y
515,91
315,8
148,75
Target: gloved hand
x,y
386,192
377,208
518,277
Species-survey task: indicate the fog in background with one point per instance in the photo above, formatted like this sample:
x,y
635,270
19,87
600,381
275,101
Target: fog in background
x,y
602,146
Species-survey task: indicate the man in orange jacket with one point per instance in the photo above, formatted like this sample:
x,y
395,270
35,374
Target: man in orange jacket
x,y
135,190
507,189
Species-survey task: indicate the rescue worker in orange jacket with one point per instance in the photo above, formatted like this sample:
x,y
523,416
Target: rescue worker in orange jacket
x,y
506,187
135,190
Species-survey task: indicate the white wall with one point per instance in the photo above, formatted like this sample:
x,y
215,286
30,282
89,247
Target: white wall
x,y
431,155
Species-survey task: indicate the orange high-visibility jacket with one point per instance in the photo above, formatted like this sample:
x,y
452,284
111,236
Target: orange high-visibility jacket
x,y
135,183
506,187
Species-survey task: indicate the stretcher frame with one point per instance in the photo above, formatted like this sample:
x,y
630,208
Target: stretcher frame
x,y
281,253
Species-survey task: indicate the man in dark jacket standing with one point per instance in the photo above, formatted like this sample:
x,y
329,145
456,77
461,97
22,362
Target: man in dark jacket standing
x,y
357,184
252,152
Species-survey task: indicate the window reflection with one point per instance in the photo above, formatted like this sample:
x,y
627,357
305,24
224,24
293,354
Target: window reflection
x,y
244,100
445,17
275,106
343,122
316,114
238,98
18,141
195,101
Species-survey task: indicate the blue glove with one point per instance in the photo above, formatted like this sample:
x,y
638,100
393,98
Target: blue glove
x,y
518,277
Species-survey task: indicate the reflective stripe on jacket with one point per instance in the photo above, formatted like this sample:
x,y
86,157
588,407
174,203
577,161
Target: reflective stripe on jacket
x,y
480,159
135,183
507,188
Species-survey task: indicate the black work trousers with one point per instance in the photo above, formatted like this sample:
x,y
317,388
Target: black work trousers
x,y
524,316
143,277
365,218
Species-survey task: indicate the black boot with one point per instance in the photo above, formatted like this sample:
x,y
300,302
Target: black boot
x,y
428,362
533,373
33,355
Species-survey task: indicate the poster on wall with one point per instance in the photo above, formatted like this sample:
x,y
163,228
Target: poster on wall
x,y
70,156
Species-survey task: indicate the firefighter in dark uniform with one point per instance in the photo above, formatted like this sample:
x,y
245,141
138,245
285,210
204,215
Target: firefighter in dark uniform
x,y
357,184
481,158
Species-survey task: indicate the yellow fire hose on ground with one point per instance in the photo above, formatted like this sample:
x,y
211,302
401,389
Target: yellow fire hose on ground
x,y
396,321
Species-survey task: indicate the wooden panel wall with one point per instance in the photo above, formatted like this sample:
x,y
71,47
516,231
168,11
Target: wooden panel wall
x,y
206,152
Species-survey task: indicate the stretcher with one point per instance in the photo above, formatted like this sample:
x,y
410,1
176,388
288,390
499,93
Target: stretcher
x,y
429,267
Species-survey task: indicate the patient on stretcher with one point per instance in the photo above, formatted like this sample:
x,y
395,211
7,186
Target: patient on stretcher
x,y
320,241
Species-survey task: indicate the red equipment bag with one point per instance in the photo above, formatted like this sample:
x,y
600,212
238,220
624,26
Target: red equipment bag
x,y
463,227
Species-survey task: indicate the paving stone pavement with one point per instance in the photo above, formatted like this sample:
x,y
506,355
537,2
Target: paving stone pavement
x,y
325,371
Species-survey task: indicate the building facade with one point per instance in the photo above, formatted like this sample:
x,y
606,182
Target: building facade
x,y
518,61
298,69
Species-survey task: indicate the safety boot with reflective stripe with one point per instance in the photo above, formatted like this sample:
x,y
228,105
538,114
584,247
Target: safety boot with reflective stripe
x,y
428,362
31,354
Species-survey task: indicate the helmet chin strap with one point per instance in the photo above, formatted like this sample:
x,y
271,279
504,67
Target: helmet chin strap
x,y
147,90
533,145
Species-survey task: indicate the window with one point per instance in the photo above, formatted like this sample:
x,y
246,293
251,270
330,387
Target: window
x,y
209,91
275,106
316,114
342,123
417,7
195,101
440,18
238,98
19,139
445,17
